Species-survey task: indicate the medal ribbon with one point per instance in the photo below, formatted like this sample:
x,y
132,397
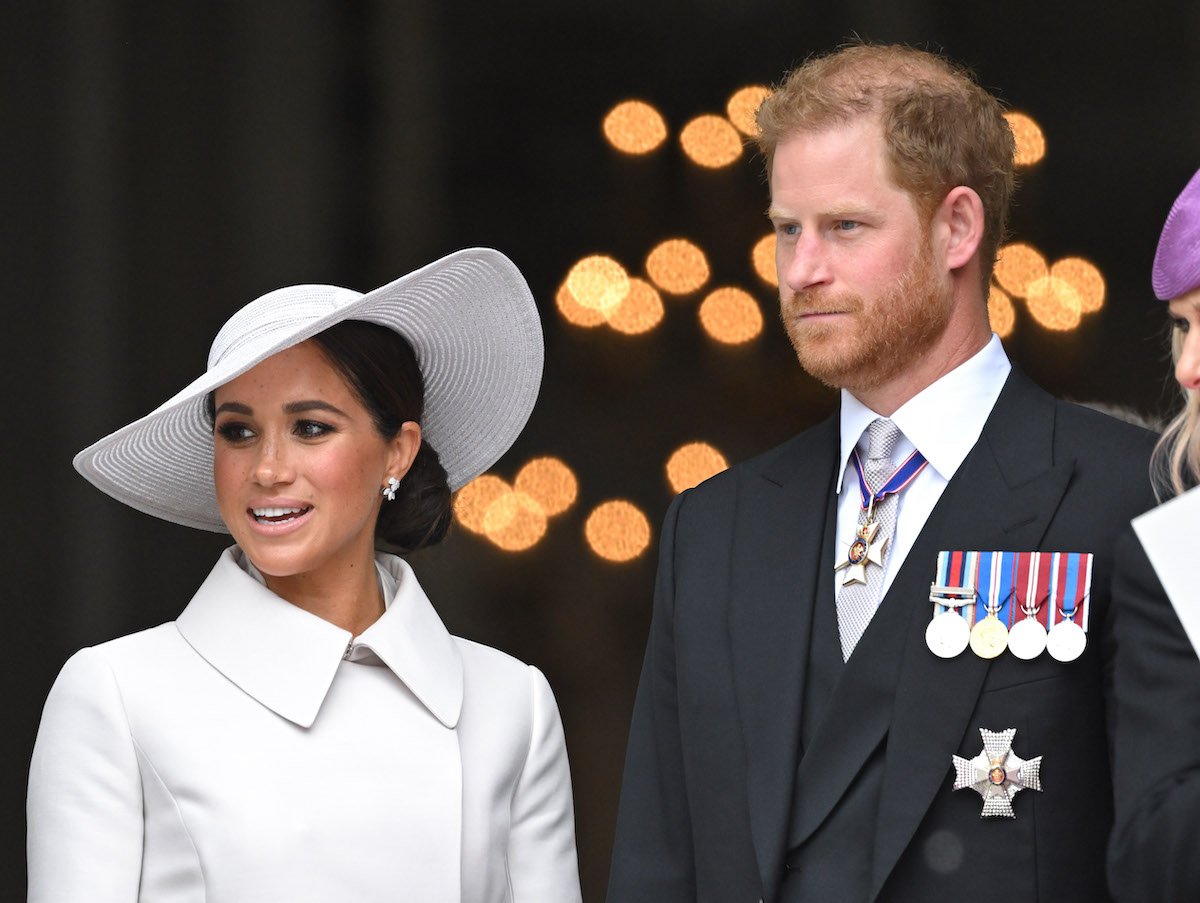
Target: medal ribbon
x,y
900,478
1043,591
984,585
1073,571
943,576
1085,591
1059,583
1026,568
957,569
997,573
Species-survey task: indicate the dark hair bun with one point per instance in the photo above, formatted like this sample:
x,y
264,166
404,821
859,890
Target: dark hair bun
x,y
420,515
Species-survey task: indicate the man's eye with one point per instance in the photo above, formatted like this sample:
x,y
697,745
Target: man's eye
x,y
787,229
847,225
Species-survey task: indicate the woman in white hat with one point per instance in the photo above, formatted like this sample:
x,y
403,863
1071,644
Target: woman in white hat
x,y
307,730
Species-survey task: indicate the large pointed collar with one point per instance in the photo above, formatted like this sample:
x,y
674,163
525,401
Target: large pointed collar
x,y
287,658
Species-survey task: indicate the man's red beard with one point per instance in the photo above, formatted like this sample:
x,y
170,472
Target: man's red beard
x,y
876,340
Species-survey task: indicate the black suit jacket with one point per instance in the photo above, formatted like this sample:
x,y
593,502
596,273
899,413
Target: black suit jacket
x,y
711,770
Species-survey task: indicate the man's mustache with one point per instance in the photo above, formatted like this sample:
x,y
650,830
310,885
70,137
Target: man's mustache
x,y
808,301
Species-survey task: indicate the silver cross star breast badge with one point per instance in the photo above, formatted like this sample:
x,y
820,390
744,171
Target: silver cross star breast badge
x,y
997,773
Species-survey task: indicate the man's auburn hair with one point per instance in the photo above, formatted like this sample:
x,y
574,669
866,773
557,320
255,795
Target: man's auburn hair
x,y
941,129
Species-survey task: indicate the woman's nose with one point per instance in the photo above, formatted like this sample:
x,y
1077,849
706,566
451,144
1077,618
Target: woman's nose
x,y
1187,368
272,466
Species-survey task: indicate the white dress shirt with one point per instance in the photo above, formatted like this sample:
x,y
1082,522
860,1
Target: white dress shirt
x,y
942,421
251,752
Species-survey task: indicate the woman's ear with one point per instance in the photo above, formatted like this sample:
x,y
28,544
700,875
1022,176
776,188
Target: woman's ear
x,y
402,449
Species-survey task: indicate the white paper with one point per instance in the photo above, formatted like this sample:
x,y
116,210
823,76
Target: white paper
x,y
1170,534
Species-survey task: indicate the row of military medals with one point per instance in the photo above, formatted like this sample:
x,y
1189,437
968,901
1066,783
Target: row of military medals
x,y
949,633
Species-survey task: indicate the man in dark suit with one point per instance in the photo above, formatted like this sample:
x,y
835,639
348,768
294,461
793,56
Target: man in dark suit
x,y
793,733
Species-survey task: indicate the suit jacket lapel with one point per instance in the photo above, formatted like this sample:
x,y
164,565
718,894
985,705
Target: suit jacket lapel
x,y
783,510
1002,498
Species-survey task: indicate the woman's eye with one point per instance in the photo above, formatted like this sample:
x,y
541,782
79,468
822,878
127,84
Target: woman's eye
x,y
1180,324
312,429
234,432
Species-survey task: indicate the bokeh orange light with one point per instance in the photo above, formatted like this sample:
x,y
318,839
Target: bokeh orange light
x,y
742,106
617,531
1083,276
711,141
1017,265
762,256
574,312
549,482
1001,313
1030,140
692,464
1054,303
473,500
641,310
598,282
635,127
514,522
677,266
731,316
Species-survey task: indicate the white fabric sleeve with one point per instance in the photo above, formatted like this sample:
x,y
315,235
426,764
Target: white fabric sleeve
x,y
542,864
85,795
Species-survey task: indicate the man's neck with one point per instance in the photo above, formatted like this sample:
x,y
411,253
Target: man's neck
x,y
888,397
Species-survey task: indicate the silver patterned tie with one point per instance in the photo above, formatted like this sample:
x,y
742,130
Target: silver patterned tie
x,y
856,602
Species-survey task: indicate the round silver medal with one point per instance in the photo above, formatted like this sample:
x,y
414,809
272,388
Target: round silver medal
x,y
948,634
1066,641
1027,639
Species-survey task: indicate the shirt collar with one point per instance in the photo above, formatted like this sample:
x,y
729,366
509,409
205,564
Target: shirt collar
x,y
962,398
287,658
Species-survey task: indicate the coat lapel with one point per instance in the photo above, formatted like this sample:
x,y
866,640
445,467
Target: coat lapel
x,y
1002,498
783,510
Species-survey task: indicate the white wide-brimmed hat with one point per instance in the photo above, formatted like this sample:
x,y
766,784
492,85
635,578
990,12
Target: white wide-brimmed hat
x,y
471,319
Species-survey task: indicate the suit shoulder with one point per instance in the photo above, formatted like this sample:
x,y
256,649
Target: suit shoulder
x,y
1103,418
496,681
131,648
97,678
489,663
1102,433
772,460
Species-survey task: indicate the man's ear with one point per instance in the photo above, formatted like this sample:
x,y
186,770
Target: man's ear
x,y
958,223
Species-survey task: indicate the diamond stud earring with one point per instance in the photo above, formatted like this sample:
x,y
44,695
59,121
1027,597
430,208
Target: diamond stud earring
x,y
389,491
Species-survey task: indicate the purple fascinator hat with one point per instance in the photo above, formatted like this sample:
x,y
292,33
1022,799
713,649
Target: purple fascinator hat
x,y
1177,260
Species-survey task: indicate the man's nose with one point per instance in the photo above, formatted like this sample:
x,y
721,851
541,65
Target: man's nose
x,y
804,264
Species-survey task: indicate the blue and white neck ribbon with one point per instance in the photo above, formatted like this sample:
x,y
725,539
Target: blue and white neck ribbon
x,y
897,482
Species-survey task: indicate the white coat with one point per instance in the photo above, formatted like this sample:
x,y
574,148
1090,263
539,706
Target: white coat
x,y
251,752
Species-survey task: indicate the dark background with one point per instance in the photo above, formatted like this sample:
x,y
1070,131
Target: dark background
x,y
164,163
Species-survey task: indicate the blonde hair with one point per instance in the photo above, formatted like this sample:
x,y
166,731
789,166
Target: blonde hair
x,y
940,127
1175,463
